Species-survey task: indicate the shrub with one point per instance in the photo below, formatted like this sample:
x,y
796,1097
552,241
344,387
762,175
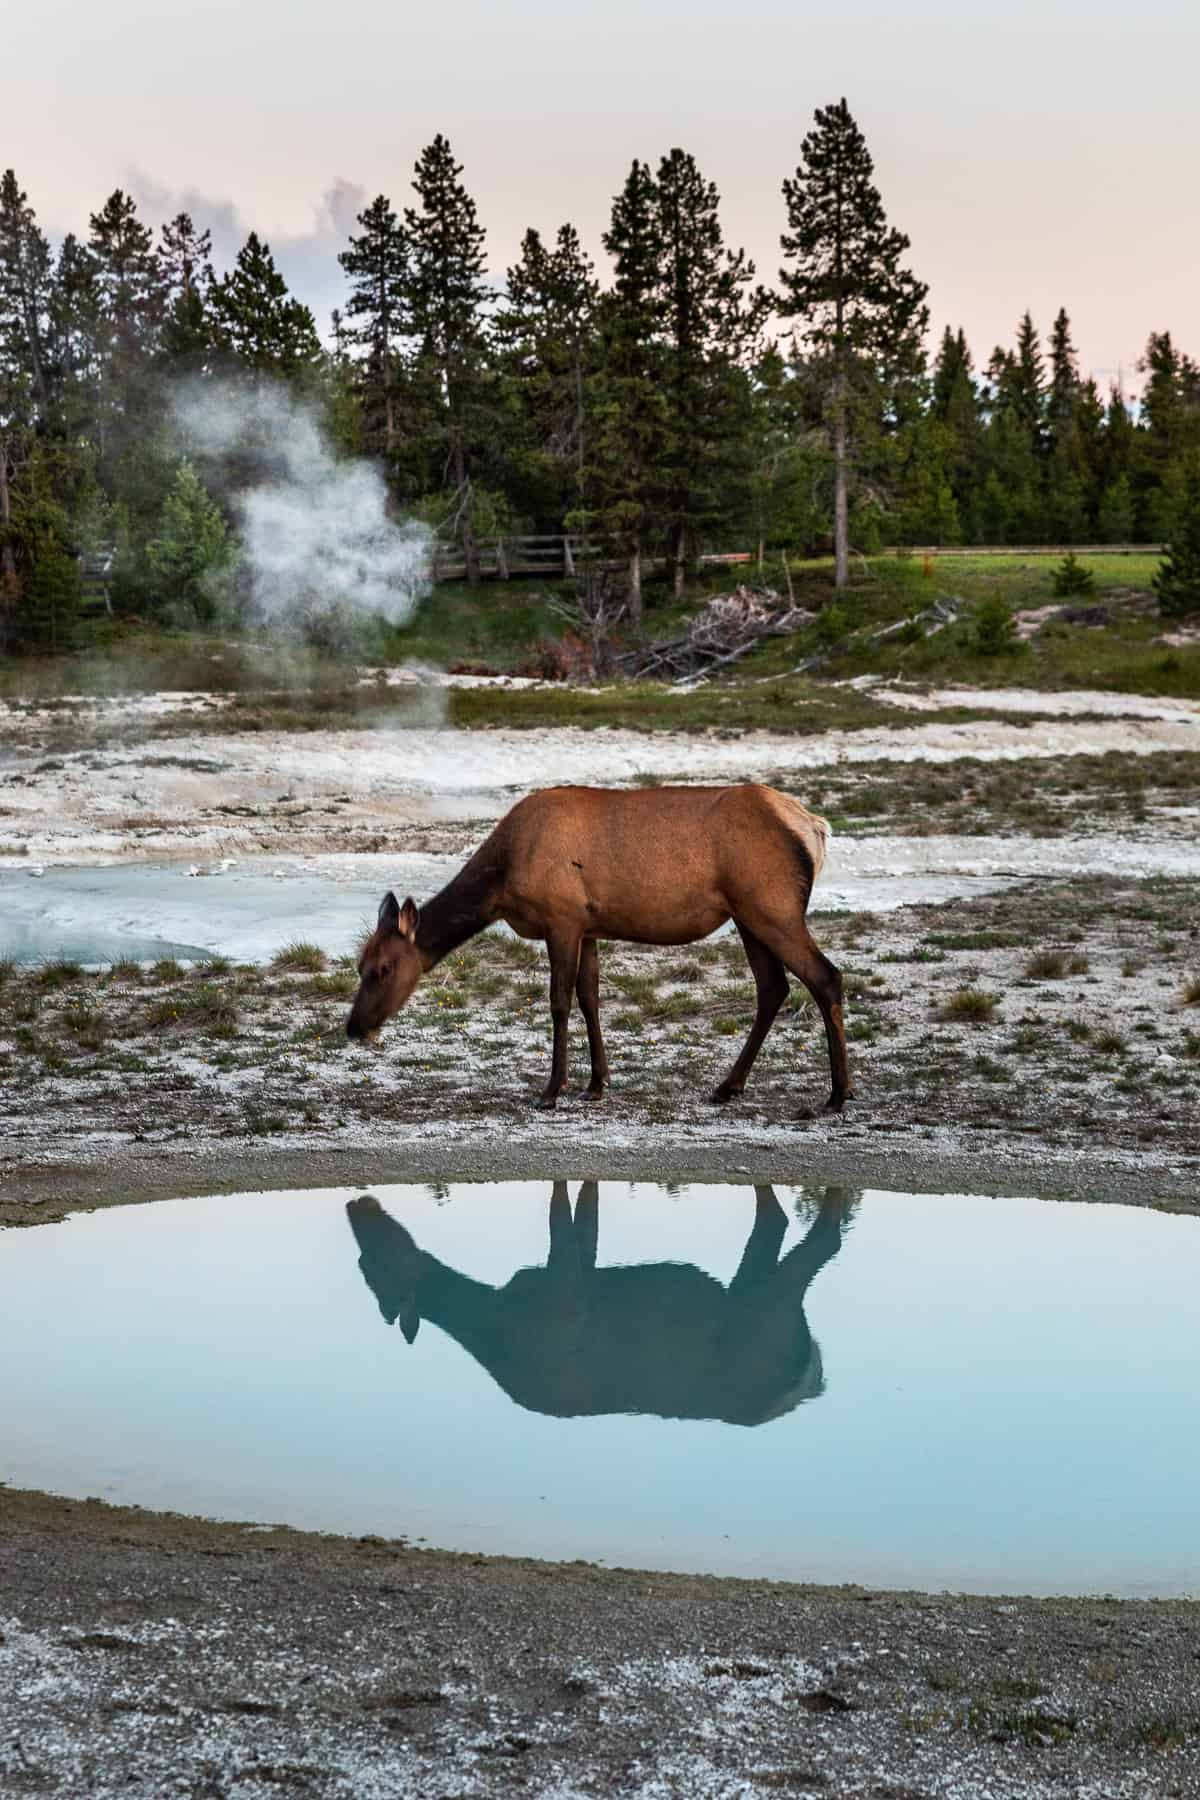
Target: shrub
x,y
1177,582
994,633
1071,577
969,1006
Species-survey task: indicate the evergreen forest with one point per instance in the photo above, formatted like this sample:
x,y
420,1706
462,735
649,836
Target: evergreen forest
x,y
665,401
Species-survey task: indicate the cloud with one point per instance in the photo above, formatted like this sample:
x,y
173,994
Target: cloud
x,y
306,260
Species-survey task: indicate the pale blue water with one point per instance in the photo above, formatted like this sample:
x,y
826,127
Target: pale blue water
x,y
901,1389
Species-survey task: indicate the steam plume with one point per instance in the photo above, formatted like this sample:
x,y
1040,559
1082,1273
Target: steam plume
x,y
316,536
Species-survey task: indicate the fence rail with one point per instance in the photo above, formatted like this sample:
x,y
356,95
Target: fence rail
x,y
562,556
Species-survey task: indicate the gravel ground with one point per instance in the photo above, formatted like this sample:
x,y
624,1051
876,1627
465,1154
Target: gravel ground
x,y
1040,1031
146,1655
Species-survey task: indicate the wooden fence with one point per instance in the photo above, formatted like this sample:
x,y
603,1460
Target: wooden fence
x,y
561,557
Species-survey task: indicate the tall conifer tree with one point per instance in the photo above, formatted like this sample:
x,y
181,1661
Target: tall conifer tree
x,y
711,319
544,333
257,323
860,311
377,266
445,298
185,257
631,417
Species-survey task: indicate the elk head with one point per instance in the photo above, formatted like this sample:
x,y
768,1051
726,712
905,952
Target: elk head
x,y
389,968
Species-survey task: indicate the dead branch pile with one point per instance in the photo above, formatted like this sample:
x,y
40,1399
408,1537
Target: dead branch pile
x,y
728,627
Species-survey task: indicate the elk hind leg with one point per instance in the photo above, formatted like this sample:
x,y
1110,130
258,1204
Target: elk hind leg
x,y
587,992
823,980
771,983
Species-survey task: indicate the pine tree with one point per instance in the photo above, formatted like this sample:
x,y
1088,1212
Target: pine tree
x,y
781,509
25,292
544,333
1115,518
191,551
862,314
954,401
257,323
377,266
631,415
1177,581
929,511
129,280
1064,375
185,258
445,296
711,319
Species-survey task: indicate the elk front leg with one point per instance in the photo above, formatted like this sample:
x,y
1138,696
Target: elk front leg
x,y
564,971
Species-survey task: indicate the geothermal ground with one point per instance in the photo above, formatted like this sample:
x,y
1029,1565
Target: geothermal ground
x,y
1012,898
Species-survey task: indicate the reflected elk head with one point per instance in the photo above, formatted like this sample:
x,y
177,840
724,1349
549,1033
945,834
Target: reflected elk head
x,y
389,968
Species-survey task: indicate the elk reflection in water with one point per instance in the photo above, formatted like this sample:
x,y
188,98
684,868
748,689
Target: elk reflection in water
x,y
571,1339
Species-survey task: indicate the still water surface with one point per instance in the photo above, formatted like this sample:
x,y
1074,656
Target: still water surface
x,y
818,1383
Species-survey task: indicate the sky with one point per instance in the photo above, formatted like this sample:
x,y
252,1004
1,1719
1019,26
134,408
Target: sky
x,y
1038,155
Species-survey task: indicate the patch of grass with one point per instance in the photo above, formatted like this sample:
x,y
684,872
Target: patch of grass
x,y
1164,1731
1034,1726
969,1006
8,969
214,965
973,940
1017,1687
167,968
1191,991
944,1680
517,952
59,973
640,989
1078,1030
338,984
205,1008
301,958
1046,965
125,969
1110,1043
87,1026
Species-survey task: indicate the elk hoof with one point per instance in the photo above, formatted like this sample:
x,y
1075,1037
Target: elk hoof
x,y
836,1102
722,1095
591,1093
547,1102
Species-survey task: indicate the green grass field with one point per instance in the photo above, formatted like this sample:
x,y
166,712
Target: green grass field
x,y
504,626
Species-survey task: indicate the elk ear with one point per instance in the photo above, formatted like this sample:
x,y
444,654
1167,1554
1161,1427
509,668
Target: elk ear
x,y
389,913
409,915
409,1320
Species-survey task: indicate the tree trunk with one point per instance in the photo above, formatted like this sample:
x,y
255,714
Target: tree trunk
x,y
635,584
680,560
8,562
841,509
470,548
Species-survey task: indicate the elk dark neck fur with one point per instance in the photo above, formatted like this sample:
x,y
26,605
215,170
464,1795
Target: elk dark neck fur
x,y
459,912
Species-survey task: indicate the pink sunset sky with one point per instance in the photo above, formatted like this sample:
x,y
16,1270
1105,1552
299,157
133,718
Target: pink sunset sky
x,y
1037,155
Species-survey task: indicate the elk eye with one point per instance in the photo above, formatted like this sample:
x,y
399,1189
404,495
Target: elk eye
x,y
385,970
